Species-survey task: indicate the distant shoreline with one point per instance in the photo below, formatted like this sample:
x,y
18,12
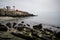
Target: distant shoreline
x,y
16,15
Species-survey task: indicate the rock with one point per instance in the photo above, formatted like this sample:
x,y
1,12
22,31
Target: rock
x,y
27,24
3,28
19,28
21,25
8,24
48,30
38,27
14,24
22,22
57,35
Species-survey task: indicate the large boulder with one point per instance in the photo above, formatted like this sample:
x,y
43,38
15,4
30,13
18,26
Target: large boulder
x,y
3,28
14,24
8,24
57,35
38,27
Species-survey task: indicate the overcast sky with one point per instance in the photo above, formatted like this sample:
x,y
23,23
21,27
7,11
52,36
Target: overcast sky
x,y
33,6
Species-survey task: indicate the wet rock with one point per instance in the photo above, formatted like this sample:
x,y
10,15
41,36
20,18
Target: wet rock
x,y
21,25
14,24
8,24
3,28
48,30
38,27
22,22
19,28
22,36
57,35
27,24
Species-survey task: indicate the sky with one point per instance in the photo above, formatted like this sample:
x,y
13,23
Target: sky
x,y
33,6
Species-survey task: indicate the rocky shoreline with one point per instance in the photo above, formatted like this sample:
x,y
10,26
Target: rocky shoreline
x,y
17,15
14,13
37,33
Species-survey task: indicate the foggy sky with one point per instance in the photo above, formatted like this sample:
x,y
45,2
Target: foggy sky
x,y
33,6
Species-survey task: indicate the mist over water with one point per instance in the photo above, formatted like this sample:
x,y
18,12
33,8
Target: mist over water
x,y
50,18
46,18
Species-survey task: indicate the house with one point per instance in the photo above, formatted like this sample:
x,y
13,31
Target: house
x,y
2,11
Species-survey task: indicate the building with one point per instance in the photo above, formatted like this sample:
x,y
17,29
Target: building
x,y
2,11
12,12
